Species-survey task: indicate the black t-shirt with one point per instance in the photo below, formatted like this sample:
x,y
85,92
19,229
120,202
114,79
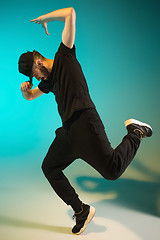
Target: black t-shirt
x,y
68,83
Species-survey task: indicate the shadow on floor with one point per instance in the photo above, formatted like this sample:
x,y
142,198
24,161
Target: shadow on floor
x,y
133,194
33,225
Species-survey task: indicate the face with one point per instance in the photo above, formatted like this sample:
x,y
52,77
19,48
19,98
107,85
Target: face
x,y
40,72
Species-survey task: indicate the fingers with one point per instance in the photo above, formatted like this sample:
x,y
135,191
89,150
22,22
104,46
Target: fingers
x,y
30,86
44,24
45,27
26,86
36,20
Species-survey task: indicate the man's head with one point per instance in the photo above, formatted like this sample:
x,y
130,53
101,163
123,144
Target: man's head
x,y
33,64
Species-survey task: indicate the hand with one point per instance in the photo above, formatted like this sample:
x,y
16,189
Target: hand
x,y
43,22
26,86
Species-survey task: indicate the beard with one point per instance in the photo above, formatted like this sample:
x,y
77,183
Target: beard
x,y
45,72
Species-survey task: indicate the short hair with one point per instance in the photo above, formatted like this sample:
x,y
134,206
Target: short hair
x,y
37,55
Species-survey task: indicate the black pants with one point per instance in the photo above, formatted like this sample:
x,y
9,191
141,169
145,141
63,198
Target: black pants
x,y
84,137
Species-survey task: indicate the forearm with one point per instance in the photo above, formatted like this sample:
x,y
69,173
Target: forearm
x,y
27,95
57,15
26,90
66,15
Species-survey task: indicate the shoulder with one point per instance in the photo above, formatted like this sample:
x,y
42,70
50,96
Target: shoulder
x,y
66,50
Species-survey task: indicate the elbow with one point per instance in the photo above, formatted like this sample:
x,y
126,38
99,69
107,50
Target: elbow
x,y
73,13
72,10
28,98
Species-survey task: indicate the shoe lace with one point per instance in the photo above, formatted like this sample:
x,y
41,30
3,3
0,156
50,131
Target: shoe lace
x,y
141,133
74,216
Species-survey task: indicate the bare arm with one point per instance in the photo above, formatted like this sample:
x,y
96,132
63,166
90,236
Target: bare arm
x,y
29,94
66,15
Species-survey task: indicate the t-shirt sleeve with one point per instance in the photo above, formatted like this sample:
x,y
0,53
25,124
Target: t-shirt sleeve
x,y
44,87
66,50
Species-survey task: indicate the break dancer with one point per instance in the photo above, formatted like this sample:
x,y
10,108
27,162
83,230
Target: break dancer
x,y
82,134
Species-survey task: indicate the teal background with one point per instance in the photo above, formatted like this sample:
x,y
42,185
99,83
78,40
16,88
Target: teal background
x,y
117,44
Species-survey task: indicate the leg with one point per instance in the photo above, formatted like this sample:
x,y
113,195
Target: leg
x,y
57,159
96,149
90,143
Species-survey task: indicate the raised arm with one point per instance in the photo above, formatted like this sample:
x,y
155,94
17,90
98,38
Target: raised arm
x,y
66,15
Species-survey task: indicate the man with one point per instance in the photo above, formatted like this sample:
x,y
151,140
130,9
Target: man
x,y
82,134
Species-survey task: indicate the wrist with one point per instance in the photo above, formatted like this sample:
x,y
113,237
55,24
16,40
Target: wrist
x,y
43,18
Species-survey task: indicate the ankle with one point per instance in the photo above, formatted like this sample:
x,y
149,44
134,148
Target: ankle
x,y
79,212
77,205
139,133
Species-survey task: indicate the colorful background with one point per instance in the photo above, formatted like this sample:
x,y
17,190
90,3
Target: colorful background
x,y
117,44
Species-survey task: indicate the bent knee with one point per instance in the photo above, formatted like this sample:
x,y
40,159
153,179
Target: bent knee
x,y
43,167
112,176
46,169
50,172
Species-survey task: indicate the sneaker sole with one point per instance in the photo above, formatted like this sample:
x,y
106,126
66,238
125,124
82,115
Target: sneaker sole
x,y
134,121
89,218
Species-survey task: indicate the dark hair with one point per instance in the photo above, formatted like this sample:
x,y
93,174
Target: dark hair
x,y
37,55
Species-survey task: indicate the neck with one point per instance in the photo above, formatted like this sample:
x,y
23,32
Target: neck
x,y
48,63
